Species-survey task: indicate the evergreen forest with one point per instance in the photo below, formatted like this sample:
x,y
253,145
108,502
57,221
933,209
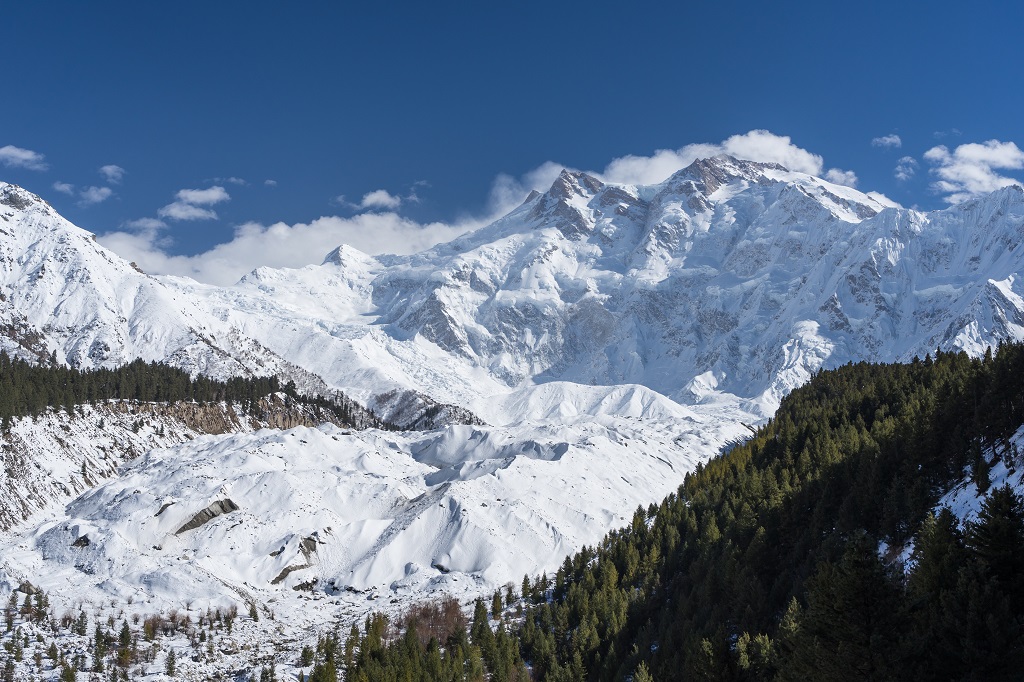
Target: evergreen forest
x,y
27,390
813,551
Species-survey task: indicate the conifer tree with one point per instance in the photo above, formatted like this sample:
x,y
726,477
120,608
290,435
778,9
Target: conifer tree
x,y
852,627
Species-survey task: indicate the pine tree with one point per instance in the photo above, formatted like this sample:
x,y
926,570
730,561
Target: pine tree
x,y
854,620
997,539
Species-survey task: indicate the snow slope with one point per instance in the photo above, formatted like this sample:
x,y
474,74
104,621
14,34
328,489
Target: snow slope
x,y
596,343
358,516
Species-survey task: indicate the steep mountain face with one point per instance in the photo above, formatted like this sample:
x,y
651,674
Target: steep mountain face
x,y
61,293
729,277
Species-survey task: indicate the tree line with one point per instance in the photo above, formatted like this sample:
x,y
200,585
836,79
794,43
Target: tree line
x,y
28,390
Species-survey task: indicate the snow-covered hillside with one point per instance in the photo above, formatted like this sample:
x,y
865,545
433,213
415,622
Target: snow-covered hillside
x,y
50,459
363,517
575,359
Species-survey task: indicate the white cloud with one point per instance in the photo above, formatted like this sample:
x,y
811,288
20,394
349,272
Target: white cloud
x,y
16,157
887,141
190,203
179,210
906,168
64,188
508,192
282,245
970,169
756,145
380,198
112,173
270,183
232,181
841,177
203,197
94,195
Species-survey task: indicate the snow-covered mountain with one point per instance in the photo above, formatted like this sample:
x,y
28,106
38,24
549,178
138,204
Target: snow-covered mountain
x,y
730,276
575,359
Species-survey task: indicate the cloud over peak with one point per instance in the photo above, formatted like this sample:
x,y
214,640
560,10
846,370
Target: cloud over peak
x,y
970,170
755,145
841,177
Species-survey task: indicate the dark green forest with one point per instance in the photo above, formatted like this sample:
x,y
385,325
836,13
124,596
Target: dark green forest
x,y
771,561
28,390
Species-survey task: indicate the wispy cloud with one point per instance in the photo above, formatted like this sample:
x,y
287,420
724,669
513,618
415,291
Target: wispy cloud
x,y
380,198
203,197
94,195
887,142
970,169
179,210
270,183
64,188
16,157
191,204
906,168
145,224
112,174
232,181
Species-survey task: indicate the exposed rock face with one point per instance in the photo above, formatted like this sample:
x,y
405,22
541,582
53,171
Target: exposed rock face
x,y
225,506
414,411
42,461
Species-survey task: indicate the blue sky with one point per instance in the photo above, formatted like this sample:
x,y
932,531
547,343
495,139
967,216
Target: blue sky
x,y
208,137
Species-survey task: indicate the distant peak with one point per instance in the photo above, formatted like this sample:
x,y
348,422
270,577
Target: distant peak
x,y
574,183
345,254
17,197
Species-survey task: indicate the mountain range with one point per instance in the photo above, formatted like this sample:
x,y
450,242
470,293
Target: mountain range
x,y
547,374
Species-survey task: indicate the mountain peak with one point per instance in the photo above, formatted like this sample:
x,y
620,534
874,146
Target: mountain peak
x,y
570,183
17,197
712,172
346,254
